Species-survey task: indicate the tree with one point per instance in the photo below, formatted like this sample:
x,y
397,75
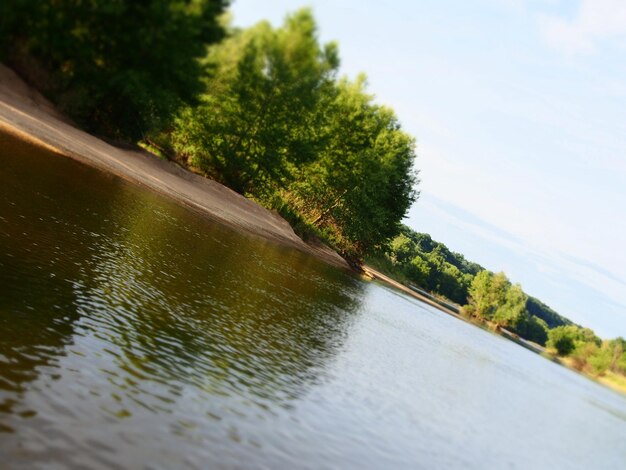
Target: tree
x,y
363,182
565,339
513,311
561,339
257,120
486,293
533,329
538,309
418,270
402,249
121,68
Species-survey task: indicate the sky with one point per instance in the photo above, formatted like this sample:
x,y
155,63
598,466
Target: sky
x,y
519,111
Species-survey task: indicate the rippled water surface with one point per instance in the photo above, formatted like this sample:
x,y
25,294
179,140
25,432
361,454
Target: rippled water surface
x,y
135,333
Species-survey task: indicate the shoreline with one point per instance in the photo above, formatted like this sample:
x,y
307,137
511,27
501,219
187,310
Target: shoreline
x,y
377,275
28,116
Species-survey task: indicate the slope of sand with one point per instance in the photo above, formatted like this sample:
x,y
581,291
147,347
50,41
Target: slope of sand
x,y
27,115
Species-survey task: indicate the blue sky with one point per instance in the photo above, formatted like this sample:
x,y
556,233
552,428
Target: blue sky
x,y
519,110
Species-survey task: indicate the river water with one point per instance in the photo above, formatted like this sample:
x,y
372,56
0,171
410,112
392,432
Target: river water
x,y
135,333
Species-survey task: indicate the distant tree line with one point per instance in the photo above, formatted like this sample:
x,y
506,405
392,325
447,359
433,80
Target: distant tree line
x,y
417,259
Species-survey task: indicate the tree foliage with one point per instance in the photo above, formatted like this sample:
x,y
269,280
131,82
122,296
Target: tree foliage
x,y
492,297
275,122
540,310
431,265
256,121
120,67
566,339
362,182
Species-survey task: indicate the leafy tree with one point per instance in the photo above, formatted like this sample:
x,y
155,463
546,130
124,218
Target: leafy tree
x,y
618,363
609,355
403,249
565,339
257,119
120,67
418,270
513,311
533,329
562,339
599,358
492,297
486,294
363,182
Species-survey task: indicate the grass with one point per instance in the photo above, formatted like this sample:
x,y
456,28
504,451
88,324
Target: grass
x,y
613,380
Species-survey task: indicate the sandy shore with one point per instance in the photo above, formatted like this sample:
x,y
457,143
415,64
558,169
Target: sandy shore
x,y
27,115
372,273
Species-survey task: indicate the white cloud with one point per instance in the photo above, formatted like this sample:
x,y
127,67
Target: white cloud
x,y
595,20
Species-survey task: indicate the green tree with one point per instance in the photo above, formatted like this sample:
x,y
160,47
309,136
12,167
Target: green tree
x,y
562,339
566,339
600,358
363,182
121,68
512,311
402,249
538,309
533,329
486,294
257,120
418,270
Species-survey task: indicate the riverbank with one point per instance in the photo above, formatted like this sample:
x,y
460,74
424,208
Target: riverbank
x,y
26,115
374,274
609,379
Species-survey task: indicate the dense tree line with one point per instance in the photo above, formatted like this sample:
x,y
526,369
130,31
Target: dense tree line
x,y
261,110
276,123
119,67
537,308
493,298
419,260
587,352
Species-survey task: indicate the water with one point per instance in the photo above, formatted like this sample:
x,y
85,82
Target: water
x,y
135,333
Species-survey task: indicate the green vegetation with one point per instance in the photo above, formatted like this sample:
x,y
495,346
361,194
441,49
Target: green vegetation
x,y
418,261
120,68
276,124
587,352
263,111
493,298
540,310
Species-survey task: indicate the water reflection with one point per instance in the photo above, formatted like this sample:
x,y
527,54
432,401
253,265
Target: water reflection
x,y
130,308
229,312
135,334
37,265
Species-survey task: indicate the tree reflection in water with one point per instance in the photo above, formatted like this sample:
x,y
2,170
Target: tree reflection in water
x,y
119,305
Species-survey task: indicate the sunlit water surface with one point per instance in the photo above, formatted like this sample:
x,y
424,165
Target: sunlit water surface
x,y
135,333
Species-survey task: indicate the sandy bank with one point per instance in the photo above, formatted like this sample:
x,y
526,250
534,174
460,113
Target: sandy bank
x,y
371,272
27,115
